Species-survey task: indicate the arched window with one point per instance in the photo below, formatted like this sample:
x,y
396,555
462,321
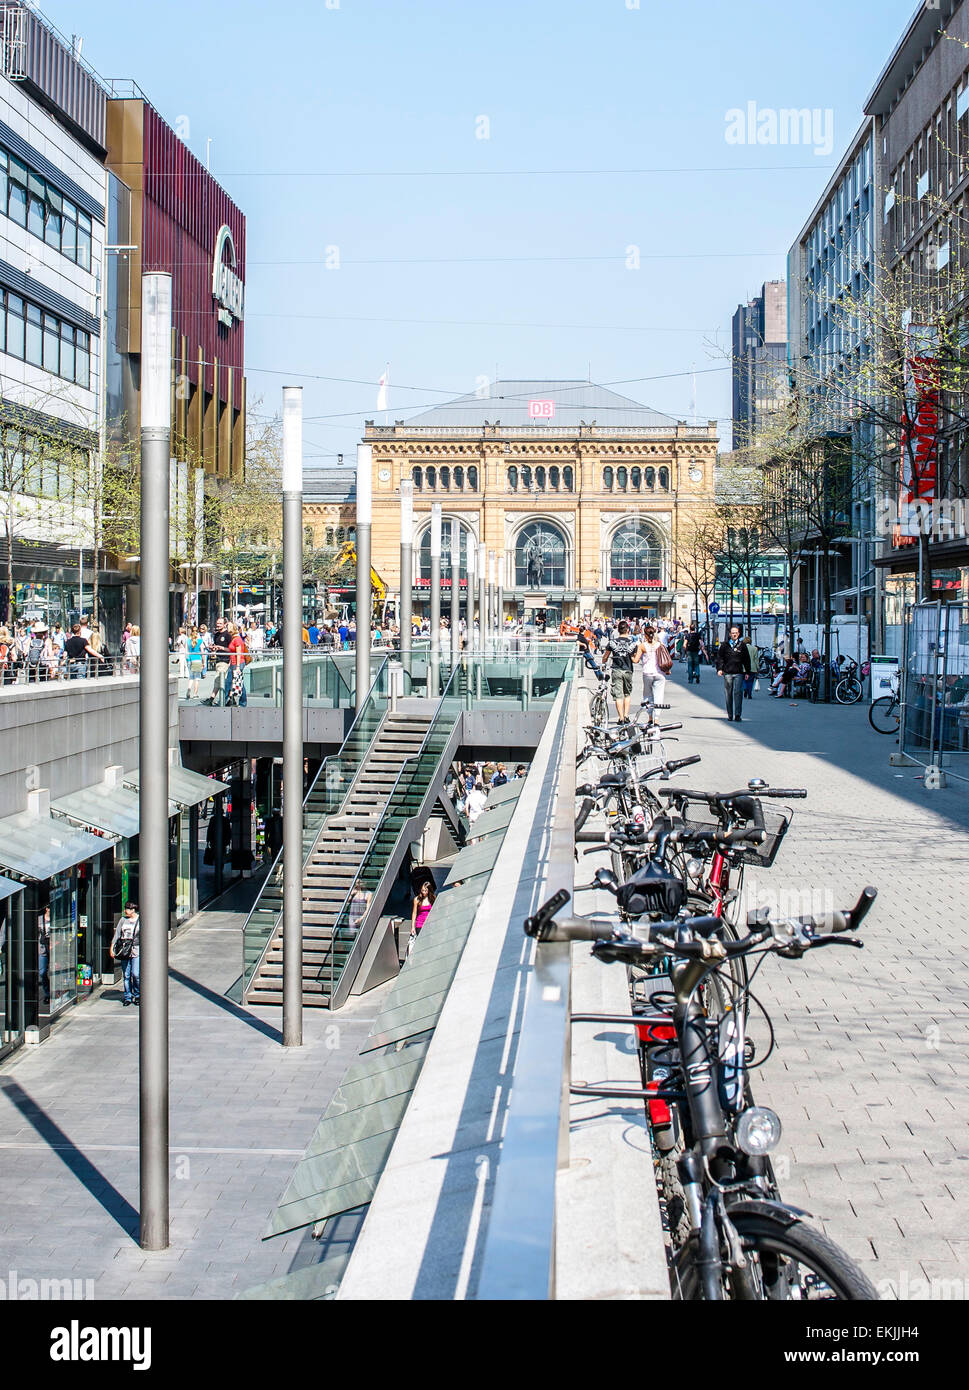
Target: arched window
x,y
539,479
554,478
526,477
431,479
445,480
424,552
473,478
622,479
459,480
664,479
308,537
607,479
417,476
635,557
637,479
329,535
569,478
540,553
341,535
650,478
352,534
513,479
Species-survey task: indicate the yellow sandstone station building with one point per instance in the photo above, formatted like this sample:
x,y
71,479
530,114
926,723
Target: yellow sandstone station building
x,y
583,492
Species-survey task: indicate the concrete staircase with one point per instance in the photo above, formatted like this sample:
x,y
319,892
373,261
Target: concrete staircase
x,y
334,863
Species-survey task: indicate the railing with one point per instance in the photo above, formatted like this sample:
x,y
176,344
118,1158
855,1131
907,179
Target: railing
x,y
405,800
329,680
325,796
935,690
62,669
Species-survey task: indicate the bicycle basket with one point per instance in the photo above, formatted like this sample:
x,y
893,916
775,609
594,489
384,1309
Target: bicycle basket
x,y
698,816
764,855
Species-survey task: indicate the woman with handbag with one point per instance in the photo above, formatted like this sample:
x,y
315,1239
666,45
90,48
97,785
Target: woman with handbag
x,y
657,664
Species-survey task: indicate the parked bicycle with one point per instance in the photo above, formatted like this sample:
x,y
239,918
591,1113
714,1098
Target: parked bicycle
x,y
885,714
848,679
736,1240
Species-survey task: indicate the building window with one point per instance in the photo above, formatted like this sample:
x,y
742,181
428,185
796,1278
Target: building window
x,y
417,478
459,480
607,477
473,478
431,475
569,478
636,556
637,479
32,202
513,479
307,537
526,477
424,552
622,479
539,479
664,479
329,535
445,480
43,340
554,479
540,554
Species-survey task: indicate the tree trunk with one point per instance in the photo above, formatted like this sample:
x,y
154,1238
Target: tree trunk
x,y
790,605
826,615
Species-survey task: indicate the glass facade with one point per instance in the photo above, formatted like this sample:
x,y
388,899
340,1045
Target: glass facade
x,y
540,556
11,967
41,338
636,556
28,199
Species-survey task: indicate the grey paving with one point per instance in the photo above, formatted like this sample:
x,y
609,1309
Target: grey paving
x,y
242,1111
871,1072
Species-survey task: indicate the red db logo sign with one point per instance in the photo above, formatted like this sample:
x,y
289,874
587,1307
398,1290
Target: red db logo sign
x,y
541,410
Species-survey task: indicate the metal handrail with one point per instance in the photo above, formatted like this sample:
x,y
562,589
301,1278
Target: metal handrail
x,y
413,757
276,863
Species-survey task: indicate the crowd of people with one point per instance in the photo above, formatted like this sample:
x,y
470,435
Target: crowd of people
x,y
36,653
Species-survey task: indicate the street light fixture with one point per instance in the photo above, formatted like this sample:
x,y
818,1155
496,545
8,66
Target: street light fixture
x,y
292,716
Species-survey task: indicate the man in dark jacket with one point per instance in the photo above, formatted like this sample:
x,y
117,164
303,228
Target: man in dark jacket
x,y
733,663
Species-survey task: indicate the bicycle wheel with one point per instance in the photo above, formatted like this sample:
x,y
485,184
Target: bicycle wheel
x,y
848,691
884,715
788,1263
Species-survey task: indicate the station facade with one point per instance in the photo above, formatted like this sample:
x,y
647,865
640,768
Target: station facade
x,y
580,490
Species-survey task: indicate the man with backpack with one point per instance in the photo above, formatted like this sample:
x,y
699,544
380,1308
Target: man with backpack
x,y
621,651
126,950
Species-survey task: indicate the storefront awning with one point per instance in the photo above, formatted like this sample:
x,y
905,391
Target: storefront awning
x,y
184,787
114,809
8,887
39,846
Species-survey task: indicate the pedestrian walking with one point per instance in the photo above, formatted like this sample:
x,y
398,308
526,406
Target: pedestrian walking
x,y
132,651
695,649
235,683
126,949
657,664
220,656
421,908
195,656
620,650
733,664
476,802
754,671
181,651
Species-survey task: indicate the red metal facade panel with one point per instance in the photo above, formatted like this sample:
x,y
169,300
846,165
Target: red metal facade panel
x,y
184,207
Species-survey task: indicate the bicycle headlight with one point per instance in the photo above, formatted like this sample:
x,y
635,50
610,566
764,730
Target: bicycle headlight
x,y
695,867
758,1131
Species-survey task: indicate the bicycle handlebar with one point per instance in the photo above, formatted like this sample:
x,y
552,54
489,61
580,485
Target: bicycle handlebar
x,y
849,919
585,810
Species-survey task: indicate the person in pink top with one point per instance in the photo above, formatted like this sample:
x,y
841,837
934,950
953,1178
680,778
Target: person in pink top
x,y
423,902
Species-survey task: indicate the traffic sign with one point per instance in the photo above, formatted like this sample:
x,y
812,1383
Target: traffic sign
x,y
714,608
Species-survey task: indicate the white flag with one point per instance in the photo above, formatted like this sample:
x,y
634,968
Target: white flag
x,y
382,390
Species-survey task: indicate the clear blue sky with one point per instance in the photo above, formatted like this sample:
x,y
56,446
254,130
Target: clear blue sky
x,y
355,127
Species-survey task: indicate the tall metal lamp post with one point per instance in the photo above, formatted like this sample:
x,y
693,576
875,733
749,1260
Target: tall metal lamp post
x,y
405,616
364,596
156,387
434,670
455,592
292,716
482,597
500,606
